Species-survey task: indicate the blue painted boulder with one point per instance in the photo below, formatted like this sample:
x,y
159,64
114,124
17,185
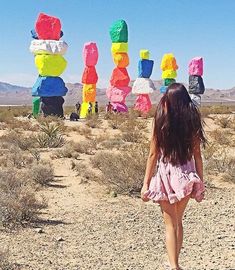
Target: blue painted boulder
x,y
145,68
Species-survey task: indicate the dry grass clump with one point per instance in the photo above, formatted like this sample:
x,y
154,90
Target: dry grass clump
x,y
123,171
72,149
218,161
205,111
115,119
50,135
224,122
18,139
15,158
41,173
112,143
85,173
222,137
18,203
133,130
93,121
85,131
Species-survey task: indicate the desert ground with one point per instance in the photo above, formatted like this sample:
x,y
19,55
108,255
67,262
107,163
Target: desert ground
x,y
70,195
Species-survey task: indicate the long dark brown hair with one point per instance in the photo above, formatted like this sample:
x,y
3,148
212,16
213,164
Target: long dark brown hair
x,y
177,125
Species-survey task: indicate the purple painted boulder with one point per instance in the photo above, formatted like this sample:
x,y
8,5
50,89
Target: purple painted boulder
x,y
196,66
90,54
119,107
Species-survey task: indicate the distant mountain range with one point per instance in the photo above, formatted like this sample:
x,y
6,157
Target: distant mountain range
x,y
18,95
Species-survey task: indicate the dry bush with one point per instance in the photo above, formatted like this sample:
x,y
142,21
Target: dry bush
x,y
112,143
222,137
220,109
85,131
15,158
50,135
85,147
116,120
41,173
133,130
18,203
83,171
18,139
93,121
224,122
123,171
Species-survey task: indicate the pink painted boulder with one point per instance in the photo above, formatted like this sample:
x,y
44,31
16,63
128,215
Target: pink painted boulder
x,y
118,94
48,27
119,107
196,66
143,103
90,54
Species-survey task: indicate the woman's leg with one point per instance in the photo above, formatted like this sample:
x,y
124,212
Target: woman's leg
x,y
180,207
170,219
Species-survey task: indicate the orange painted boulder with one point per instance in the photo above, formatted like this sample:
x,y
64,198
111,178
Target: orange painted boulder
x,y
121,59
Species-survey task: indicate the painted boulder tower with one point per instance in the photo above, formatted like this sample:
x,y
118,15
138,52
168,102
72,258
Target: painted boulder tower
x,y
169,70
48,52
143,85
119,82
89,79
196,84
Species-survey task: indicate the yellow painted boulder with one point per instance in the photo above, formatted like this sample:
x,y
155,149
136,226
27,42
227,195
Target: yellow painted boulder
x,y
144,54
50,65
120,47
84,109
168,62
169,74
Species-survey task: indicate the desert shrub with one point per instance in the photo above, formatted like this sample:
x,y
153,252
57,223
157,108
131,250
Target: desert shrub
x,y
18,203
222,137
41,173
123,171
19,140
85,147
87,174
220,109
50,135
15,158
85,131
133,130
116,119
113,143
6,116
93,121
224,122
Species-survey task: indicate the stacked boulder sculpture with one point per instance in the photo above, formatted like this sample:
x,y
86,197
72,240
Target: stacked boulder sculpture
x,y
196,84
89,79
143,85
119,82
169,71
48,50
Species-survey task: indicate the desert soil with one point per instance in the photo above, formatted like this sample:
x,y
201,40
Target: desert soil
x,y
84,227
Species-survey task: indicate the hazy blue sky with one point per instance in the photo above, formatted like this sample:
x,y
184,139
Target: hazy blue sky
x,y
187,28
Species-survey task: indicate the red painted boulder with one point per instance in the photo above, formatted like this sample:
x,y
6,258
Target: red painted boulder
x,y
89,75
120,77
48,27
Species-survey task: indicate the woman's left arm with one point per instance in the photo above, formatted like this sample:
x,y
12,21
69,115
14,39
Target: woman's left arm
x,y
150,168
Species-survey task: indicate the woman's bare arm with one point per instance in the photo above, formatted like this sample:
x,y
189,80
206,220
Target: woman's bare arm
x,y
151,163
198,158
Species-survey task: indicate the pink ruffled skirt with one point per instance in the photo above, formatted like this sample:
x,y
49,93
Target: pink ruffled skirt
x,y
173,183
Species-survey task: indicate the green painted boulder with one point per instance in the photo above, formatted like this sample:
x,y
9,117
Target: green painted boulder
x,y
119,32
168,82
